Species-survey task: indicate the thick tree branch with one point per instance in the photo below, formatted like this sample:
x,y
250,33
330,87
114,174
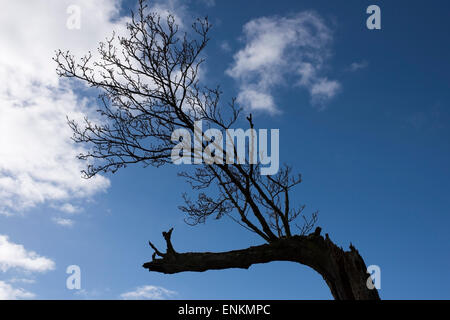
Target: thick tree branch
x,y
344,271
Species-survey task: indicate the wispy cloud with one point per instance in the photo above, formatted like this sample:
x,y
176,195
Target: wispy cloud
x,y
176,8
90,294
355,66
65,222
429,118
22,280
148,293
277,48
69,208
15,256
8,292
225,46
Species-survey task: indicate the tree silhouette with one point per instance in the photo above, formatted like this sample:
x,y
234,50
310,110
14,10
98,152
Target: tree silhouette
x,y
150,87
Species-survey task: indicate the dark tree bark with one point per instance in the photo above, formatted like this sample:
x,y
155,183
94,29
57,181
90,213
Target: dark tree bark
x,y
344,271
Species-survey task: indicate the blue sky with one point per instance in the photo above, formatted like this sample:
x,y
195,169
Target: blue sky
x,y
373,152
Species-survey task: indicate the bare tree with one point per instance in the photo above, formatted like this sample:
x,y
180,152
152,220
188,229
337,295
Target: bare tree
x,y
150,87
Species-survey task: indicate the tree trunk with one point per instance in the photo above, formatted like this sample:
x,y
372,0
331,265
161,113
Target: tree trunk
x,y
344,271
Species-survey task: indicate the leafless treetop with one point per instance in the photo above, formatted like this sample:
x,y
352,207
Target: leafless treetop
x,y
150,86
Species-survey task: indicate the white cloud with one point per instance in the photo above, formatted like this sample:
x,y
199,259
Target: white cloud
x,y
22,280
8,292
279,48
176,8
256,100
69,208
148,293
65,222
37,157
16,256
324,89
225,46
89,294
355,66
